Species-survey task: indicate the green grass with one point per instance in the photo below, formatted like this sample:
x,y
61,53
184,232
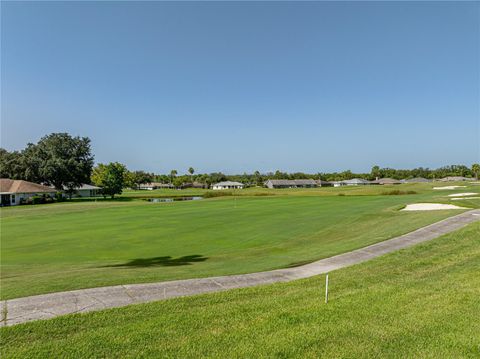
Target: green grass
x,y
87,244
421,302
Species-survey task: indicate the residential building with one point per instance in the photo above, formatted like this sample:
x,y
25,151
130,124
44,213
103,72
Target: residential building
x,y
86,190
455,179
383,181
298,183
417,180
15,192
227,185
355,182
155,185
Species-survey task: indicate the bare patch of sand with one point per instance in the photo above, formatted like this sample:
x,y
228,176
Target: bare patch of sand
x,y
462,194
449,187
430,207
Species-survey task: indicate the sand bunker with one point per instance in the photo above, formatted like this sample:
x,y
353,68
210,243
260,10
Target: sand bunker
x,y
449,187
430,207
462,194
460,198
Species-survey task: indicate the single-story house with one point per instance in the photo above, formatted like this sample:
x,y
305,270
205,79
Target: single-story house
x,y
194,185
386,181
14,192
155,185
298,183
227,185
417,180
87,190
322,183
355,182
455,179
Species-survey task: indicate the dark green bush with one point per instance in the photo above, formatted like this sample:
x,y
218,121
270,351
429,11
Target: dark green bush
x,y
397,192
37,199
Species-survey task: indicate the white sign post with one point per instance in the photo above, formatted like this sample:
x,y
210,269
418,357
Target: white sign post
x,y
326,289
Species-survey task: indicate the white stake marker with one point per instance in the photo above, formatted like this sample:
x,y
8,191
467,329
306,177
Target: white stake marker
x,y
326,289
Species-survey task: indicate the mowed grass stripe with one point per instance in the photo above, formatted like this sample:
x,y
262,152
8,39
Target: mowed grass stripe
x,y
52,250
421,302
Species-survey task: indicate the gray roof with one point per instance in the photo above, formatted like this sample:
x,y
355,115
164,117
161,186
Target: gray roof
x,y
228,183
83,186
386,181
323,182
297,182
87,186
356,181
455,178
156,184
417,180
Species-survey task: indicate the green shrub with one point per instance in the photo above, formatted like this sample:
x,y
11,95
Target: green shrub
x,y
341,194
213,194
59,197
37,199
397,192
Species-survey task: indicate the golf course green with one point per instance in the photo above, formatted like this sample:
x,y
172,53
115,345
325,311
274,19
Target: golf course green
x,y
420,302
82,244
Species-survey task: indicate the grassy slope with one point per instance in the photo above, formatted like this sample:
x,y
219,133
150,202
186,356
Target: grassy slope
x,y
421,302
74,245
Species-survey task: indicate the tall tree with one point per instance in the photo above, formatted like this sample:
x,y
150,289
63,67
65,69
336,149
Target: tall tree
x,y
11,164
111,177
60,160
375,172
191,171
173,173
136,178
476,170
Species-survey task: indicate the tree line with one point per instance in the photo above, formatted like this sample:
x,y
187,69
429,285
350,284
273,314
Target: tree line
x,y
66,162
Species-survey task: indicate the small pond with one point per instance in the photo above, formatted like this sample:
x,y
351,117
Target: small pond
x,y
173,199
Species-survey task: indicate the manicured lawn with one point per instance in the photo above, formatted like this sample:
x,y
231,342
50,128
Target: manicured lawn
x,y
87,244
422,302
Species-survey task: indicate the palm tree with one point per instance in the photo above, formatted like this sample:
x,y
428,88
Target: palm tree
x,y
191,171
173,173
476,170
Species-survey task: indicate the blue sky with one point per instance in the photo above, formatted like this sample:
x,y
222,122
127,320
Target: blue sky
x,y
234,87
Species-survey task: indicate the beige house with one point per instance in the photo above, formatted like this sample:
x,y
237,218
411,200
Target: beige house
x,y
14,192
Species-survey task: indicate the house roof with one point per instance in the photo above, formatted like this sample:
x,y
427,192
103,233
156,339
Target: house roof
x,y
455,178
386,181
355,181
20,186
228,183
323,182
156,184
84,186
417,180
292,182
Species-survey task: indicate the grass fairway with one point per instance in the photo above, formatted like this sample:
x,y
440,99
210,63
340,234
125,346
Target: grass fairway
x,y
420,302
86,244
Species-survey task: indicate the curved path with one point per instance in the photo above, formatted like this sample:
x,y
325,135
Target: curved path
x,y
21,310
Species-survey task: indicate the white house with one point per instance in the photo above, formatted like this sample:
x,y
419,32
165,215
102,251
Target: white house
x,y
87,190
155,185
14,192
228,185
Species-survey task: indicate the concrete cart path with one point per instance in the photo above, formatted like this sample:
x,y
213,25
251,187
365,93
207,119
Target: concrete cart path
x,y
21,310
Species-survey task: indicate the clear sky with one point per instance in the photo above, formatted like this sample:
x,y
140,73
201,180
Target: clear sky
x,y
234,87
